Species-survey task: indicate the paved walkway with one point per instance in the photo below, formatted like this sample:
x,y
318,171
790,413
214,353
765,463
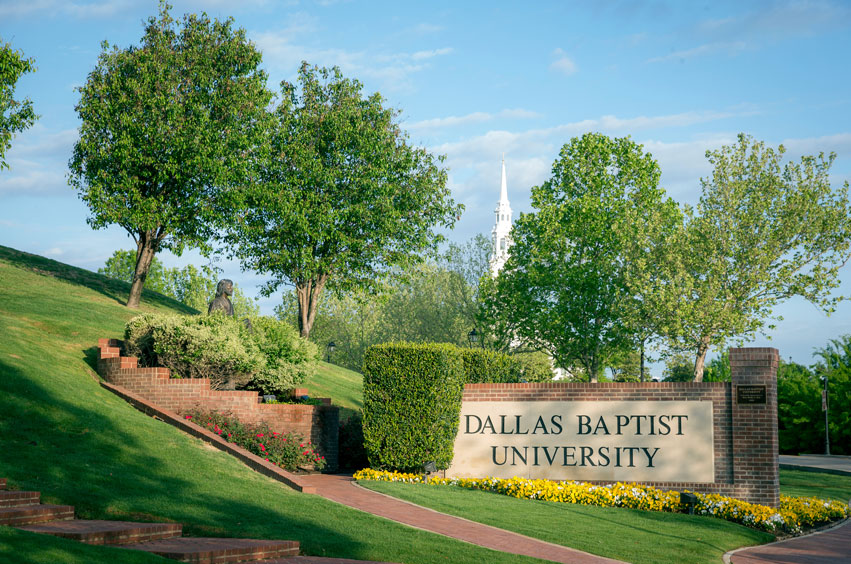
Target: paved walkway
x,y
343,489
827,547
832,546
837,464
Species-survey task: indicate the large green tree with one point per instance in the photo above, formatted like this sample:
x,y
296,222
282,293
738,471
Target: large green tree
x,y
565,286
15,115
343,200
764,231
167,125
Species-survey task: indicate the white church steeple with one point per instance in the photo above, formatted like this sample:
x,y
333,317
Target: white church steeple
x,y
502,227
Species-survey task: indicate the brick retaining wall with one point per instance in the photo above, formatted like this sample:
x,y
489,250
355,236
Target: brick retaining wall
x,y
317,423
744,435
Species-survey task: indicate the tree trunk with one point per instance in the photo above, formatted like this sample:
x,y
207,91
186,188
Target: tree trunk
x,y
592,374
700,359
308,299
146,248
641,376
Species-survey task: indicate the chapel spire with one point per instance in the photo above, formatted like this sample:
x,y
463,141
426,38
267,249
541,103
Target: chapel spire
x,y
501,240
503,190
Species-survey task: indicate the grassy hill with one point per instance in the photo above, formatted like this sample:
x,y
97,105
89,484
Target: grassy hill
x,y
342,385
63,435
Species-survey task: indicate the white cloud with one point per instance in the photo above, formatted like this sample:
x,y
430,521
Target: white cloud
x,y
563,63
393,70
427,28
839,143
53,252
788,18
475,117
420,55
37,162
54,8
731,48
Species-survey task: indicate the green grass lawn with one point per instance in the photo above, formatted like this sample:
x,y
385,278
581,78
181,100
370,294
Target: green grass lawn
x,y
63,435
640,537
343,386
815,484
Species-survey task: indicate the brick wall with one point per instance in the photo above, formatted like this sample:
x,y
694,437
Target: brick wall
x,y
744,435
317,423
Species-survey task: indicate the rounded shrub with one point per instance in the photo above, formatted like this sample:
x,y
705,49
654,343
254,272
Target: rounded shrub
x,y
289,359
266,355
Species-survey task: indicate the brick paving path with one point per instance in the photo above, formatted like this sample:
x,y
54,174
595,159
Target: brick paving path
x,y
827,547
343,489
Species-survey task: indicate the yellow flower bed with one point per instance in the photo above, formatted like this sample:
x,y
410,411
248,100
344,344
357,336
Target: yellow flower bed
x,y
790,517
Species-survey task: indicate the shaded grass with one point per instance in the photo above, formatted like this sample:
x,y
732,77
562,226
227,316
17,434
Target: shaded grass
x,y
343,386
22,546
640,537
63,435
815,484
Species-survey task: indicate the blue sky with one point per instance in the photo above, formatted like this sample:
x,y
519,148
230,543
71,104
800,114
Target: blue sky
x,y
474,80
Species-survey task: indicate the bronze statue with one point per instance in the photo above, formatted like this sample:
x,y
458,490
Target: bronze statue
x,y
222,301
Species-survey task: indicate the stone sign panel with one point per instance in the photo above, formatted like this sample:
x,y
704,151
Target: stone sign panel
x,y
647,441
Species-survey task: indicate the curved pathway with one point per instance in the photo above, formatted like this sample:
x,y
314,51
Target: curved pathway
x,y
832,546
344,490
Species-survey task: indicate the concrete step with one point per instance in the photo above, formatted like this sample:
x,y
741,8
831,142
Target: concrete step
x,y
18,499
217,551
107,532
30,514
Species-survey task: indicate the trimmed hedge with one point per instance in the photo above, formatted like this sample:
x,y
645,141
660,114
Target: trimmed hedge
x,y
411,404
490,367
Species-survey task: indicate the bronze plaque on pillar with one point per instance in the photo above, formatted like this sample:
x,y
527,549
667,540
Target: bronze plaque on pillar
x,y
752,395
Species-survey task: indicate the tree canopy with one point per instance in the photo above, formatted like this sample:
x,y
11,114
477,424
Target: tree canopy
x,y
565,285
763,232
165,126
15,115
343,201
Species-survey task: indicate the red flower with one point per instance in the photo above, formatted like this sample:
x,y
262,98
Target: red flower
x,y
259,434
188,417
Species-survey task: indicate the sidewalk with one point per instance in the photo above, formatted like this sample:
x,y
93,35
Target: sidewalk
x,y
343,489
832,464
832,546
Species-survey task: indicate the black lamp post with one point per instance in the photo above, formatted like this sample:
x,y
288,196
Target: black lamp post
x,y
331,348
825,404
473,336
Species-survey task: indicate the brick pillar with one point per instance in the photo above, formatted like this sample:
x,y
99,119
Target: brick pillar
x,y
755,446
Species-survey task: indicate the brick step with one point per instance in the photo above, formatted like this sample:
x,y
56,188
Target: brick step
x,y
18,499
15,516
314,560
2,483
217,551
107,532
